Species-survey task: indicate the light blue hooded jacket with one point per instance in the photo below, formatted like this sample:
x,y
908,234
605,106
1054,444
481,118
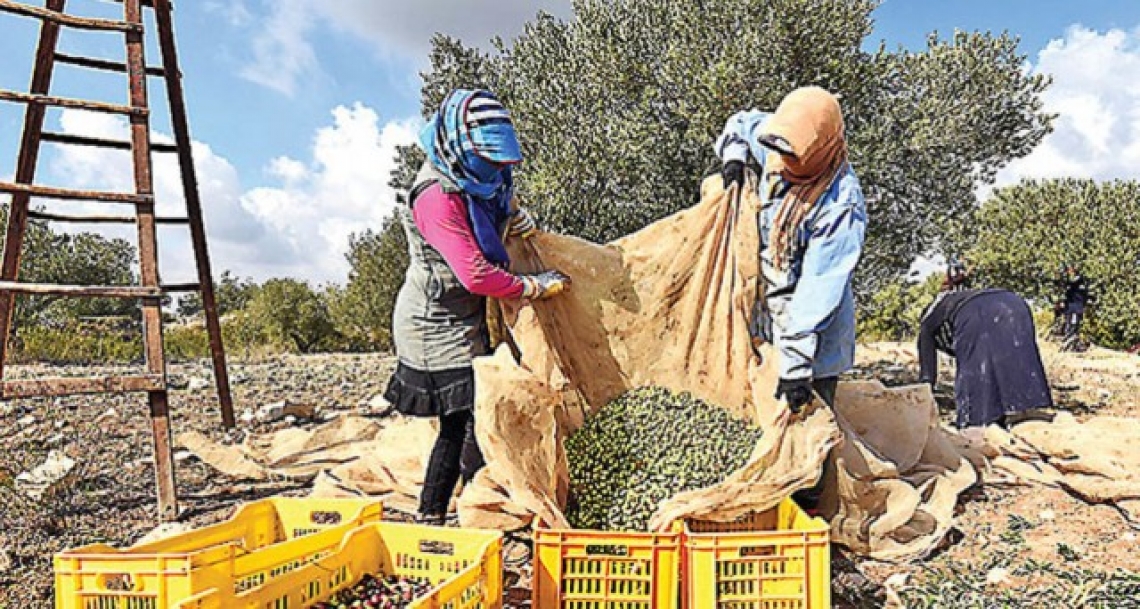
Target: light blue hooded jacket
x,y
810,306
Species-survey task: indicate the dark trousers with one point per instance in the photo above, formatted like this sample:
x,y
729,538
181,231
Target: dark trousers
x,y
1073,323
455,455
808,498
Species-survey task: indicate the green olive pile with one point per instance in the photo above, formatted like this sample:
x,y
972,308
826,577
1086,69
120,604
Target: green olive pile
x,y
382,592
645,447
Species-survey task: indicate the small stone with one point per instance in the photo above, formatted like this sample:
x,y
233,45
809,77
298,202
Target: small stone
x,y
47,477
164,530
60,424
247,417
378,406
997,576
278,411
27,421
177,381
197,384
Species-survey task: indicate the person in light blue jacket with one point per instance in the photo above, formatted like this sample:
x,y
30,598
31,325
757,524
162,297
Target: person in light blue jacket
x,y
812,223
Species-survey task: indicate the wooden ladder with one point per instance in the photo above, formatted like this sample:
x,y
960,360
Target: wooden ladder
x,y
151,292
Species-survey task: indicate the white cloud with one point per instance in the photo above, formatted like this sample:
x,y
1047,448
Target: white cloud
x,y
282,54
298,227
343,189
1097,132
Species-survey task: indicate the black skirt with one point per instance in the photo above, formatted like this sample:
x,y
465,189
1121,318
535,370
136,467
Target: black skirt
x,y
417,393
999,367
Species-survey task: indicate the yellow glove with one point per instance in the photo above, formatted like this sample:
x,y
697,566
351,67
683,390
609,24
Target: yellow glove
x,y
544,285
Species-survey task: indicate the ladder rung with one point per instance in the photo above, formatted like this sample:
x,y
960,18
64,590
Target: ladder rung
x,y
64,102
83,23
82,140
80,291
181,287
67,194
52,387
42,215
103,64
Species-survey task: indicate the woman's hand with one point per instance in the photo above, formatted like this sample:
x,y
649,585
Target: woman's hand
x,y
544,285
733,173
522,224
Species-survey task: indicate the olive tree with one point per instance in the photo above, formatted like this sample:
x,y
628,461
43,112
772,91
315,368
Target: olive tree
x,y
618,107
49,256
1028,233
289,314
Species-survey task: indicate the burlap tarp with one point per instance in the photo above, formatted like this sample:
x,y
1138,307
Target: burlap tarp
x,y
669,306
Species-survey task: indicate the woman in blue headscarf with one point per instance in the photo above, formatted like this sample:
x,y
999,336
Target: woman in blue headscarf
x,y
457,213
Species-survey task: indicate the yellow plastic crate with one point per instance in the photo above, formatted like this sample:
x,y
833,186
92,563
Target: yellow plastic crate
x,y
234,554
779,559
465,564
605,570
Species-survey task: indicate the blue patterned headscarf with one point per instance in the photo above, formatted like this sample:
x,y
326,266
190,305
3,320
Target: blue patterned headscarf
x,y
472,141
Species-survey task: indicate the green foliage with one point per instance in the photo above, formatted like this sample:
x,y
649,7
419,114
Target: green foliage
x,y
231,293
362,310
76,343
187,342
1040,584
70,330
936,125
1027,233
79,259
894,312
289,314
618,109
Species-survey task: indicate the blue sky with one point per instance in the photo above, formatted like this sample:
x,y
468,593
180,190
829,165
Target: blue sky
x,y
297,104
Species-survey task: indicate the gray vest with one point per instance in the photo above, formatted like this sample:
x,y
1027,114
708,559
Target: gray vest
x,y
436,324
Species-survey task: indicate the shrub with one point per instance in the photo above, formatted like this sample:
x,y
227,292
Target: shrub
x,y
362,310
894,313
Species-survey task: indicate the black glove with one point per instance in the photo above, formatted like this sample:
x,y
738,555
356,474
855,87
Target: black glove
x,y
733,173
797,393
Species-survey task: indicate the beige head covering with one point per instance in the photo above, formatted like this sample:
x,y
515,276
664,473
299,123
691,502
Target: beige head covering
x,y
810,122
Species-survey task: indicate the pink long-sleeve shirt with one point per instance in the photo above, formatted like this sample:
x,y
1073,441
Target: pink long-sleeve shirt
x,y
442,220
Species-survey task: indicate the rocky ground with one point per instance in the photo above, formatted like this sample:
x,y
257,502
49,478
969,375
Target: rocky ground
x,y
109,496
1013,547
1023,547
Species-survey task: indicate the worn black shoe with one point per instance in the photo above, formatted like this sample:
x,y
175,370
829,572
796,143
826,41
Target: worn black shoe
x,y
431,520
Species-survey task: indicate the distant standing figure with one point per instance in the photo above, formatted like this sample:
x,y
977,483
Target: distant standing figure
x,y
1077,298
991,334
957,276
